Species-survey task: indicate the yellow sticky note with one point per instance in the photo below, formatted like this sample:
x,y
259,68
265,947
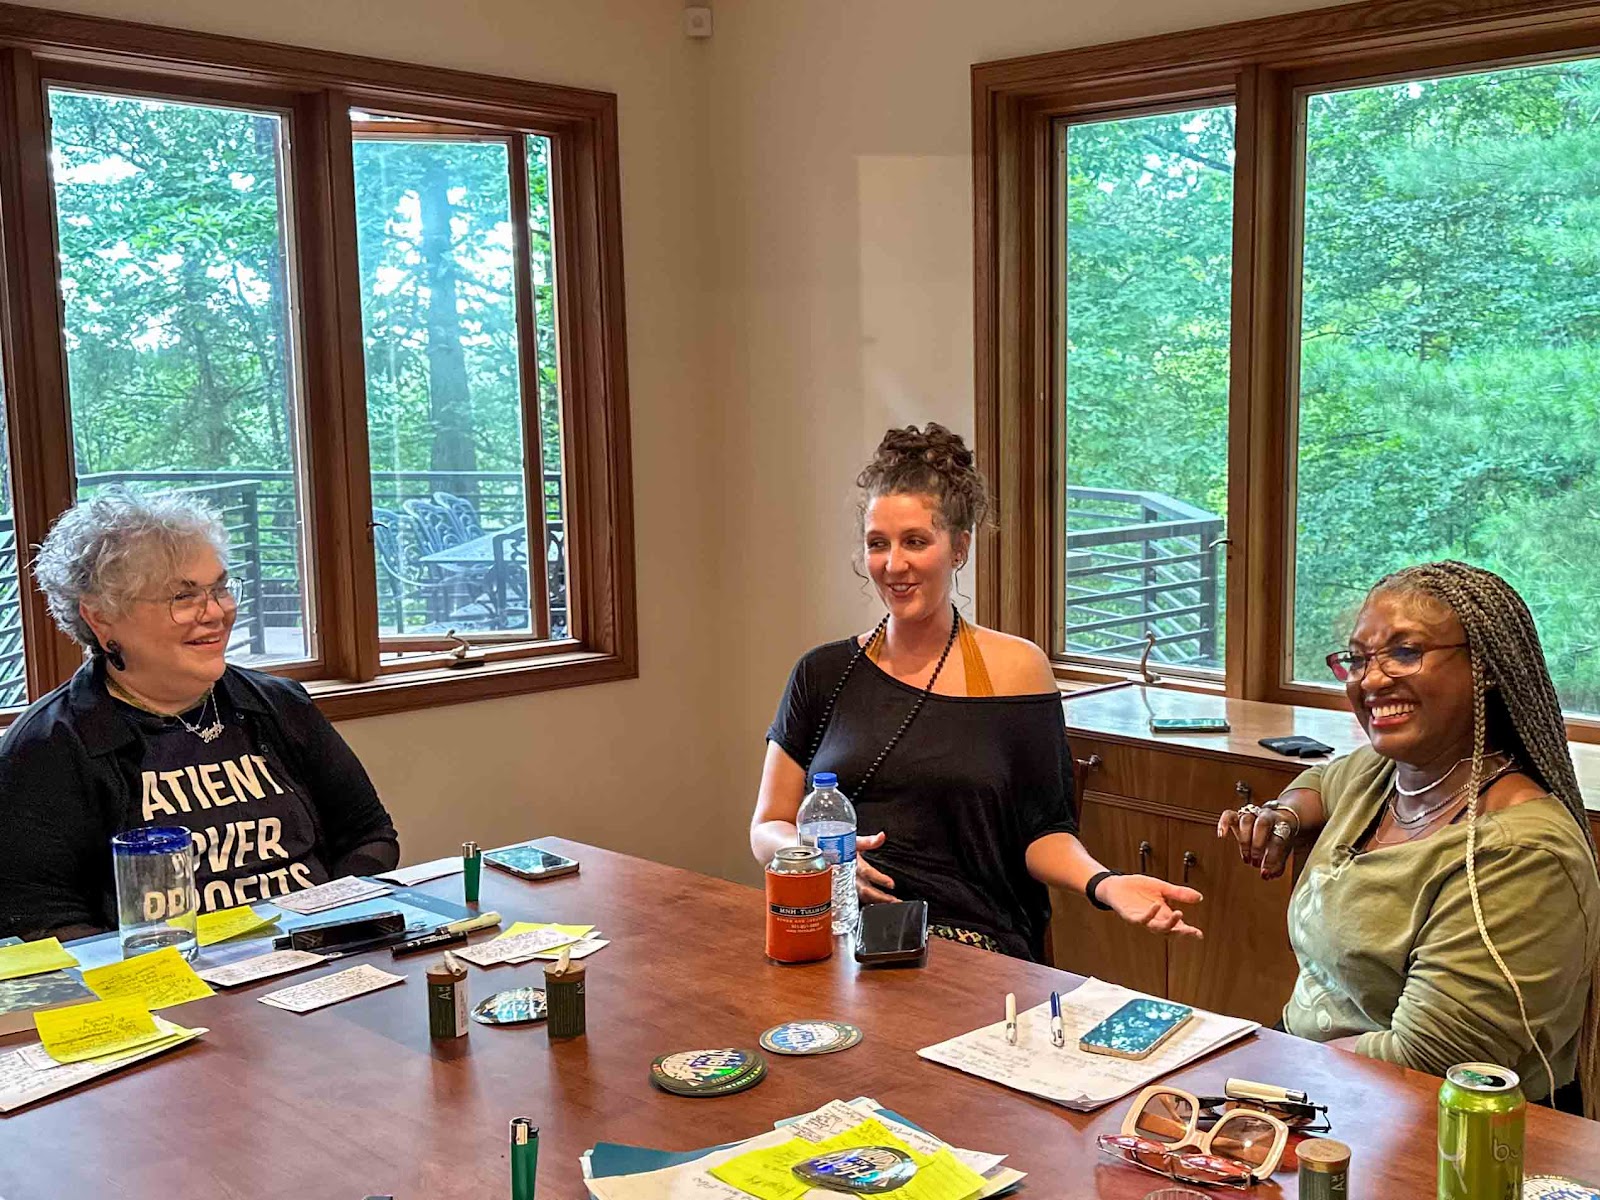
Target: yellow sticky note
x,y
34,958
214,927
573,931
160,979
767,1174
90,1030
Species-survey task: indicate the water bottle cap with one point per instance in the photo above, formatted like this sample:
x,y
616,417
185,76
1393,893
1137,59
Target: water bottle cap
x,y
824,779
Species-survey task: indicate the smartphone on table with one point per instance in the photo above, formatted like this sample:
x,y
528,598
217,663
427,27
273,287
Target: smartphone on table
x,y
1189,725
893,934
1136,1029
527,861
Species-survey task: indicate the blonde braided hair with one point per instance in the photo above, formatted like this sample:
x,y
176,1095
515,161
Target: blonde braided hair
x,y
1511,688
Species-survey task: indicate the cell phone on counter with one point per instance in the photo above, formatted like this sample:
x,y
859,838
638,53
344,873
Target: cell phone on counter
x,y
893,934
1136,1029
527,861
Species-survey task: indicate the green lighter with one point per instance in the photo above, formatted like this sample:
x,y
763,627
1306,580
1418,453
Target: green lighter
x,y
524,1157
471,869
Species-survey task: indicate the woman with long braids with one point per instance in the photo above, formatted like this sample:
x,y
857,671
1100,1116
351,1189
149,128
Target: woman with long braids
x,y
948,737
1449,910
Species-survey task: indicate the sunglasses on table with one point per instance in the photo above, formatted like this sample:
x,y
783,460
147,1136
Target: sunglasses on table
x,y
1161,1134
1300,1118
1397,661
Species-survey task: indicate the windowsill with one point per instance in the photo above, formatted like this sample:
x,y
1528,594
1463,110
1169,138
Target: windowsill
x,y
432,686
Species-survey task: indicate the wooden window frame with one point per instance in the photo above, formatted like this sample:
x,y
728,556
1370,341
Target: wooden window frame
x,y
1263,67
347,672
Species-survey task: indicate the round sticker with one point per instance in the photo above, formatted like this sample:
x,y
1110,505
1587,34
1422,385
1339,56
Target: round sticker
x,y
708,1072
866,1170
518,1006
810,1037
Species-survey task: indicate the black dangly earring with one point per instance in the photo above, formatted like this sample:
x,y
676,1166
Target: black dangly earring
x,y
114,656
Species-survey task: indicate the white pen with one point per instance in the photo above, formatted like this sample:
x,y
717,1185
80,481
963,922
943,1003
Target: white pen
x,y
1058,1035
1011,1018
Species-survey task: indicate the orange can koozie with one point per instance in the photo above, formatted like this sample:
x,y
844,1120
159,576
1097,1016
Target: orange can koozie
x,y
799,905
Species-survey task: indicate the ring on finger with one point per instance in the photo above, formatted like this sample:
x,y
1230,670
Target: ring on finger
x,y
1282,830
1250,810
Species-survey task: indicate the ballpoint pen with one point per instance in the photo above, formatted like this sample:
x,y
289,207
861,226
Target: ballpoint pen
x,y
1011,1018
1058,1035
446,935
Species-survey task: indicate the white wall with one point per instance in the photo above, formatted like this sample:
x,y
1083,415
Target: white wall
x,y
798,238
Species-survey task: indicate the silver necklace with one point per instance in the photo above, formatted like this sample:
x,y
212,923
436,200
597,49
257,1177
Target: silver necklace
x,y
1411,794
1421,816
206,733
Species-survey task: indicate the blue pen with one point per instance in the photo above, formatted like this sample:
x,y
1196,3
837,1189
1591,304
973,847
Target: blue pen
x,y
1058,1035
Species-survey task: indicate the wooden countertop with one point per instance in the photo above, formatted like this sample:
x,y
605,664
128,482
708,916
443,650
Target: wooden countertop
x,y
355,1100
1124,715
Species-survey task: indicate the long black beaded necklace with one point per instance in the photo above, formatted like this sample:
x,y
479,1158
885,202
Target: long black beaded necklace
x,y
861,649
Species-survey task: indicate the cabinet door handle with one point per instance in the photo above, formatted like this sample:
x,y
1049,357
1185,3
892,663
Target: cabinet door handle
x,y
1189,860
1145,851
1090,763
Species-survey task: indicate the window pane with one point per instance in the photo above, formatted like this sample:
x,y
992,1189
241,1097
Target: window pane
x,y
1148,232
444,392
13,670
1450,350
178,329
543,265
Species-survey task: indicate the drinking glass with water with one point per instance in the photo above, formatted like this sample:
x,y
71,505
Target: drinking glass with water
x,y
156,901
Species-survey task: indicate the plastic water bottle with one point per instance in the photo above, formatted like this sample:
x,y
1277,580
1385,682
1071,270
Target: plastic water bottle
x,y
827,820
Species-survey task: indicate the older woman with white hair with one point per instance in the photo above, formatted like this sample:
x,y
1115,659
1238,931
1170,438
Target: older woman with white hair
x,y
156,728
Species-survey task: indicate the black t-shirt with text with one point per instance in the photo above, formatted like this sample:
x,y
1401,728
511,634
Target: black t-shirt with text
x,y
255,836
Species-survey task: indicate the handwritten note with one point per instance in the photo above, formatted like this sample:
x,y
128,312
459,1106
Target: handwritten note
x,y
573,932
34,958
518,948
214,927
332,895
90,1030
1069,1076
330,989
23,1081
579,949
263,966
160,979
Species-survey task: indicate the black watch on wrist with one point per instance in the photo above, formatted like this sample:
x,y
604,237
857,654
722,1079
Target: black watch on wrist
x,y
1093,885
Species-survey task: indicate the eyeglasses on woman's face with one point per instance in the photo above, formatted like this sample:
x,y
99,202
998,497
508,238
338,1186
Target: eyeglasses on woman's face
x,y
189,605
1396,661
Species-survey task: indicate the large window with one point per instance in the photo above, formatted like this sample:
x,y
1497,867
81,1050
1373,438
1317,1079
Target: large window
x,y
370,312
1449,362
1296,303
1148,243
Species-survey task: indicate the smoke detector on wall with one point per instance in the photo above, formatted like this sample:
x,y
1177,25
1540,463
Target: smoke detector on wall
x,y
697,21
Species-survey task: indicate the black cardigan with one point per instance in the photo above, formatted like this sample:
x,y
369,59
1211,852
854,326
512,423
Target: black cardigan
x,y
70,779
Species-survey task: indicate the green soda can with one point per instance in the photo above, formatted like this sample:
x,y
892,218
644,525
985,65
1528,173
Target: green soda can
x,y
1481,1118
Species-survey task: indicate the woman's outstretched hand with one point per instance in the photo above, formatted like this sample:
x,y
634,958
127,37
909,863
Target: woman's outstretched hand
x,y
872,885
1153,903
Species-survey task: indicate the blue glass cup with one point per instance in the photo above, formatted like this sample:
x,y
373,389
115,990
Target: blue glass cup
x,y
156,901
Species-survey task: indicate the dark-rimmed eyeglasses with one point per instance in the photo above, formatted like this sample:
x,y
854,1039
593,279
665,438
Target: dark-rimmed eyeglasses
x,y
1300,1118
190,605
1397,661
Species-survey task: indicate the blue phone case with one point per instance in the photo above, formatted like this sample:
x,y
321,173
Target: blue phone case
x,y
1136,1029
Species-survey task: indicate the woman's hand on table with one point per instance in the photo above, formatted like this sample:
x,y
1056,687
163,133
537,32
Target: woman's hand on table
x,y
1252,828
1153,903
872,885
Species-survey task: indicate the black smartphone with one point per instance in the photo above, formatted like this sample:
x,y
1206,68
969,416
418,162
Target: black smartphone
x,y
527,861
893,934
1189,725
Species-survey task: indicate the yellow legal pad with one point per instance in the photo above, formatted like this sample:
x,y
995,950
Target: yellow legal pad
x,y
159,979
90,1030
34,958
573,931
766,1174
214,927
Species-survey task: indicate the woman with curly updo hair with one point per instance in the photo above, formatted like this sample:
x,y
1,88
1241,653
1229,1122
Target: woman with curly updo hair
x,y
948,737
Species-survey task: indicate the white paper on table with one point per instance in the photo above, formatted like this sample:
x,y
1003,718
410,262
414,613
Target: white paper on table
x,y
518,948
1070,1076
330,989
262,966
22,1082
581,948
331,895
422,872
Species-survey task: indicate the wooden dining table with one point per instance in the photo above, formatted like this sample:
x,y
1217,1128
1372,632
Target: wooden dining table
x,y
355,1100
